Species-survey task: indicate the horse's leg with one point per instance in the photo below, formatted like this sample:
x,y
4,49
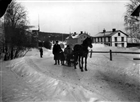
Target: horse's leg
x,y
86,63
79,60
80,63
75,61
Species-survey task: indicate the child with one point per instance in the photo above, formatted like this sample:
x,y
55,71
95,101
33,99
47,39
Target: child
x,y
62,57
67,52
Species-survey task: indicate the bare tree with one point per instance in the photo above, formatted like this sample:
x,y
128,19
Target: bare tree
x,y
1,38
15,25
131,23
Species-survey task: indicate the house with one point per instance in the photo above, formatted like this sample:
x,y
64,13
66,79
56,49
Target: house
x,y
75,38
115,38
134,41
136,12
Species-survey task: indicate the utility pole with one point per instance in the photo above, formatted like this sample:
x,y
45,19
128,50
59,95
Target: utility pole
x,y
38,24
38,30
104,35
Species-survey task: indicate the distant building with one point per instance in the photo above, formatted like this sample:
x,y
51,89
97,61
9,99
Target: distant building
x,y
75,38
115,38
48,36
51,36
133,40
136,12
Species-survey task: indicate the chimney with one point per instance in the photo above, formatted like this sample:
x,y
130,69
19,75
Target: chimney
x,y
74,34
104,31
113,30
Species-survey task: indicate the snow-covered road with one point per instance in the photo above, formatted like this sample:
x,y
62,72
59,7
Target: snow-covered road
x,y
32,78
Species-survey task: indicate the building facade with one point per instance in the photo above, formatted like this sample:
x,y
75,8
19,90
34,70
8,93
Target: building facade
x,y
115,38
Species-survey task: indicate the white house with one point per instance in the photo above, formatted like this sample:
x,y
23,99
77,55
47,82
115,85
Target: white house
x,y
76,38
115,38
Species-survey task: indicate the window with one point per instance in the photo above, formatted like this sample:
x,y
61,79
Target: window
x,y
101,39
104,39
109,39
116,44
116,39
118,34
122,38
122,44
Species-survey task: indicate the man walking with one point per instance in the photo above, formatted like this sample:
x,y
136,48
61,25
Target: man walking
x,y
41,52
56,51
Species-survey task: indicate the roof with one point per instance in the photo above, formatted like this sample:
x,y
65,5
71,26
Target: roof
x,y
136,11
75,36
108,33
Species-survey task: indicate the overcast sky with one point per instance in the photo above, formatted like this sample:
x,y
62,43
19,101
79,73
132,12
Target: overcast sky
x,y
68,16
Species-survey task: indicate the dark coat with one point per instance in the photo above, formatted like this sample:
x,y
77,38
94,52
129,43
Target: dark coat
x,y
56,49
67,50
62,57
41,50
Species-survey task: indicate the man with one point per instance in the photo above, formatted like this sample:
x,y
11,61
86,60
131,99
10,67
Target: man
x,y
62,57
56,51
41,52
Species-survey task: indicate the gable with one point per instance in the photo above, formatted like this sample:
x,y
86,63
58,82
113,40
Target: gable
x,y
121,33
83,36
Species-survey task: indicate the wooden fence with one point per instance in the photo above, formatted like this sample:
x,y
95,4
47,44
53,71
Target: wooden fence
x,y
110,52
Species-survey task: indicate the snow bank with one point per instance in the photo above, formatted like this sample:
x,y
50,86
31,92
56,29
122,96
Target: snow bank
x,y
36,86
98,45
36,53
23,79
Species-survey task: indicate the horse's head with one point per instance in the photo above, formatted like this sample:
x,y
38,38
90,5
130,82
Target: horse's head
x,y
88,42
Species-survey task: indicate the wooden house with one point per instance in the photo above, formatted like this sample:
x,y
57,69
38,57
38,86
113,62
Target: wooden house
x,y
115,38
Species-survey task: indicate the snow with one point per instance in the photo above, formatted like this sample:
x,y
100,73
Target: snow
x,y
75,36
32,78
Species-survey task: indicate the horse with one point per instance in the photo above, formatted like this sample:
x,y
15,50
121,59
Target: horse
x,y
80,52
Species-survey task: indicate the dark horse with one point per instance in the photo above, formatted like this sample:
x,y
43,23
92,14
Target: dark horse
x,y
80,52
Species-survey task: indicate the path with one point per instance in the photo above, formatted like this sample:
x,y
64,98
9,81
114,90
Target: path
x,y
36,79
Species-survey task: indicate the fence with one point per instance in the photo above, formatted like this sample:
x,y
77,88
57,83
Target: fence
x,y
110,52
